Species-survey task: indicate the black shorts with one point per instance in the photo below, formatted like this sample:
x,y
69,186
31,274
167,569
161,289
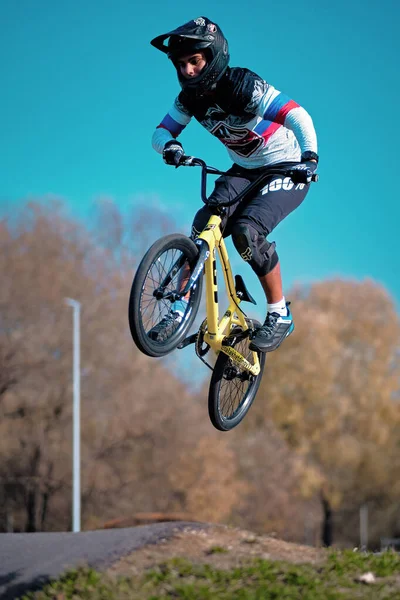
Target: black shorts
x,y
264,210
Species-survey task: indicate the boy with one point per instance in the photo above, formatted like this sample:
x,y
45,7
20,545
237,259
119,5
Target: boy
x,y
260,127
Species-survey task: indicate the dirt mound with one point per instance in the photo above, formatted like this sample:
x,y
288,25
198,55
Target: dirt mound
x,y
220,546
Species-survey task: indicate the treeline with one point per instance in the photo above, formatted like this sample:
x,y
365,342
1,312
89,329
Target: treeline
x,y
322,438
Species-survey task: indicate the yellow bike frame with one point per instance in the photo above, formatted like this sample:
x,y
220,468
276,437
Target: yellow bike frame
x,y
218,329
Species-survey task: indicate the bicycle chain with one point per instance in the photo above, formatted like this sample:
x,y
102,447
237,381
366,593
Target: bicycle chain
x,y
200,340
200,350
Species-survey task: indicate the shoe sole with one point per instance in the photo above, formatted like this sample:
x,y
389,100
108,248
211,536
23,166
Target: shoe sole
x,y
271,349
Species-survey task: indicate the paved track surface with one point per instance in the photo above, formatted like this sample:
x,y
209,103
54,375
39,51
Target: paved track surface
x,y
29,560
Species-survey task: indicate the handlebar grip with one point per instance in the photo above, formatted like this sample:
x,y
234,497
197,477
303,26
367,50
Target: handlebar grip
x,y
186,161
191,161
315,177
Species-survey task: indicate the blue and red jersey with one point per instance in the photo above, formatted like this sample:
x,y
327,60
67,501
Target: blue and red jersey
x,y
258,125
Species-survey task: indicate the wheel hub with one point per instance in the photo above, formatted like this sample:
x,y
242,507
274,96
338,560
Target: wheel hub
x,y
231,373
158,294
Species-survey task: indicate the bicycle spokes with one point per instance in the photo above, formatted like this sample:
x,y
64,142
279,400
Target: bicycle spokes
x,y
233,387
158,283
161,287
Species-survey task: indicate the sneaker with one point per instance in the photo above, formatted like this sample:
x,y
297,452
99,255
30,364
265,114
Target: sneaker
x,y
270,335
166,327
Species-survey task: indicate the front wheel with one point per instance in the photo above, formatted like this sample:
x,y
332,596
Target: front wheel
x,y
233,389
163,272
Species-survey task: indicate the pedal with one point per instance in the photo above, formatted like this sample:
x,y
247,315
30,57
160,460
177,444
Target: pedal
x,y
187,341
241,290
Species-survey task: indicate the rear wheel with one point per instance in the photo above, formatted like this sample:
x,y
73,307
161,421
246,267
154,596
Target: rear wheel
x,y
232,388
166,264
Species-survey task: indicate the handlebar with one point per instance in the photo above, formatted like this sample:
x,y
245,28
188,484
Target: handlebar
x,y
192,161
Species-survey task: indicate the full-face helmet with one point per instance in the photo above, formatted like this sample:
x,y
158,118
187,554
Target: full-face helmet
x,y
202,35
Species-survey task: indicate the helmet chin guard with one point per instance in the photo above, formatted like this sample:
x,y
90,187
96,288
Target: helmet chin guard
x,y
198,35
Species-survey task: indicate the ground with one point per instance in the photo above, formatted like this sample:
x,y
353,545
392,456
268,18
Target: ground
x,y
216,562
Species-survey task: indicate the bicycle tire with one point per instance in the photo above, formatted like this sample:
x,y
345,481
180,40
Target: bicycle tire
x,y
233,387
158,261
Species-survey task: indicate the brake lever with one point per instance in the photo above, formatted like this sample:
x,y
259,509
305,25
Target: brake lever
x,y
187,161
314,176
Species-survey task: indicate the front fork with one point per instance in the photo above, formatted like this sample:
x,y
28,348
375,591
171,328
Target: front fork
x,y
204,253
175,295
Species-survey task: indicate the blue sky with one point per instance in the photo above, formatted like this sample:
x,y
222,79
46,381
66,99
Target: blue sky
x,y
82,91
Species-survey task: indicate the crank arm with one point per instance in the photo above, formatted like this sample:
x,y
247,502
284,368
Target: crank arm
x,y
187,341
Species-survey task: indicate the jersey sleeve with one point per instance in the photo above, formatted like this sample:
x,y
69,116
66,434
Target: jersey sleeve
x,y
171,126
282,110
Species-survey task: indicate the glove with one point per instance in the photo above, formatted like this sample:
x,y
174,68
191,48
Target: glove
x,y
303,172
172,153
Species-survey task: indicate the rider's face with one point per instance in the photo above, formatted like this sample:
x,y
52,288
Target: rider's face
x,y
191,65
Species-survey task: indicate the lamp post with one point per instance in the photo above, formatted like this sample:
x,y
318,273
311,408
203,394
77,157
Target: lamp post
x,y
364,527
76,476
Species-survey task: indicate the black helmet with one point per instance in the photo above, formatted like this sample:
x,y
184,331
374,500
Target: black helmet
x,y
203,35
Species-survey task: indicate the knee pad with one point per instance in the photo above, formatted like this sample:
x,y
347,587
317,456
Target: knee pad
x,y
254,248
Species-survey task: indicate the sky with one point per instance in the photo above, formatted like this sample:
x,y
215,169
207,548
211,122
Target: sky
x,y
82,91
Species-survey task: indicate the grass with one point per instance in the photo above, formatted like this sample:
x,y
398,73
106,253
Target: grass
x,y
336,579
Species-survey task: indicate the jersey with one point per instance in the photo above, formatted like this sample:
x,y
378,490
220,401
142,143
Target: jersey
x,y
257,124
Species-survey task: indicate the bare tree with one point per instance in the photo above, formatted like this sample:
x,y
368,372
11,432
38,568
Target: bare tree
x,y
140,426
334,389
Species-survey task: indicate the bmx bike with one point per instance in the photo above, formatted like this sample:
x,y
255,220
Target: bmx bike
x,y
171,270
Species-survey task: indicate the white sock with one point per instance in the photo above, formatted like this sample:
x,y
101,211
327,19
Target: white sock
x,y
278,307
